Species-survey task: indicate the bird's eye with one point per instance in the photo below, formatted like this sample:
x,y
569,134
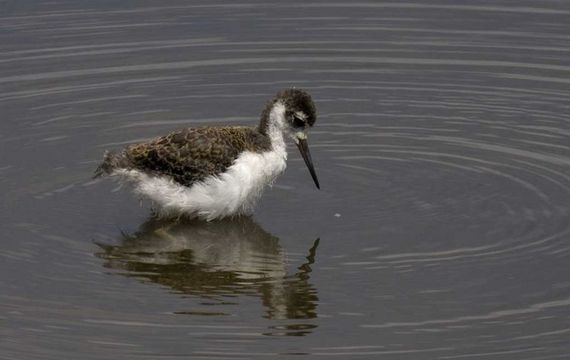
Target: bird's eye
x,y
298,122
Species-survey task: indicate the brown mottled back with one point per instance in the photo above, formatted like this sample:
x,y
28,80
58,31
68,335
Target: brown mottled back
x,y
191,155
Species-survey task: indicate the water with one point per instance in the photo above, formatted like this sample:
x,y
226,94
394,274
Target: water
x,y
442,146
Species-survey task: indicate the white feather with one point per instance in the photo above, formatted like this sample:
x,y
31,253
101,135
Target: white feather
x,y
233,192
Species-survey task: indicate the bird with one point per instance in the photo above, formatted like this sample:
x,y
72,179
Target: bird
x,y
214,172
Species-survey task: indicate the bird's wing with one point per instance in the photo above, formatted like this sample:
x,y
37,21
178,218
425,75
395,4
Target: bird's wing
x,y
191,155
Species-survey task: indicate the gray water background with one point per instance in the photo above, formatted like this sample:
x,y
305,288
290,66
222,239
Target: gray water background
x,y
442,146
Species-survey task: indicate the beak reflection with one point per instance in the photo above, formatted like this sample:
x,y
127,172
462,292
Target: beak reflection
x,y
304,149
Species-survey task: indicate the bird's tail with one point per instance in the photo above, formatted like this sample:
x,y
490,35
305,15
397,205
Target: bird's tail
x,y
111,162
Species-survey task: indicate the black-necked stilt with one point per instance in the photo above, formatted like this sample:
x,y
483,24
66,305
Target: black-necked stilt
x,y
215,172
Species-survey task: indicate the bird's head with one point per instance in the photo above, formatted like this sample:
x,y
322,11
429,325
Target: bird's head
x,y
296,113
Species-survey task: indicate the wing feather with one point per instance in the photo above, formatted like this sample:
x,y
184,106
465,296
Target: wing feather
x,y
191,155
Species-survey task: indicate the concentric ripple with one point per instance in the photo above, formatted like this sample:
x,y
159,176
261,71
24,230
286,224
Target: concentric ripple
x,y
442,144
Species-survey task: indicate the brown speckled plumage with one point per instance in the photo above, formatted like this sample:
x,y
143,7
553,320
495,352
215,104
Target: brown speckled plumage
x,y
192,154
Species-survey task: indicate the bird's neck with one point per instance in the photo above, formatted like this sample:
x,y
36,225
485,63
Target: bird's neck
x,y
272,125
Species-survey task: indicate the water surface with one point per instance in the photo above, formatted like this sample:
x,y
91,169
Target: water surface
x,y
442,146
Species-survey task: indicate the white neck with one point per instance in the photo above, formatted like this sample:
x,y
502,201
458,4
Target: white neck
x,y
276,128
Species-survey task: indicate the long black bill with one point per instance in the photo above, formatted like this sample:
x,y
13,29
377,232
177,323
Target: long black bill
x,y
304,149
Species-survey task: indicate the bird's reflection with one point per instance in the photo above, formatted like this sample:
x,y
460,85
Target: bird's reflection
x,y
217,261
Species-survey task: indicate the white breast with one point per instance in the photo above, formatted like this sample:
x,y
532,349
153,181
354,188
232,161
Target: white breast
x,y
231,193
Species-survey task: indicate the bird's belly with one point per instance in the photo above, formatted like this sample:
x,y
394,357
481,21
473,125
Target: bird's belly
x,y
235,191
